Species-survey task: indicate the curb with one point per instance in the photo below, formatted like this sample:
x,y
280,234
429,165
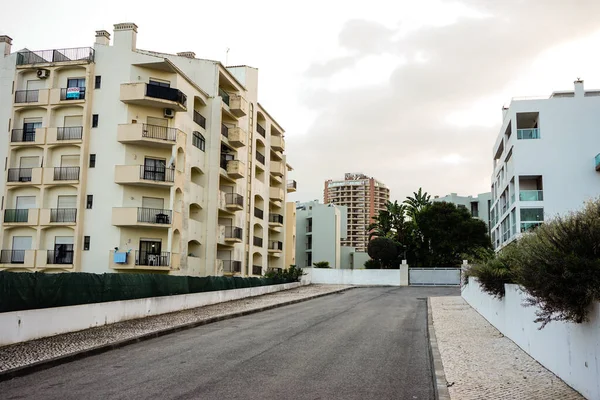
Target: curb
x,y
53,362
438,376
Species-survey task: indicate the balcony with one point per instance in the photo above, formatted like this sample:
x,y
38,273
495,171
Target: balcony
x,y
142,216
238,105
59,257
152,259
72,95
237,137
276,219
529,226
24,176
199,119
291,186
233,234
147,95
33,98
234,201
260,157
532,133
58,216
278,143
277,168
231,266
258,213
235,169
257,241
141,175
25,217
275,246
261,130
147,135
276,194
29,137
23,258
256,270
62,175
72,56
531,195
69,133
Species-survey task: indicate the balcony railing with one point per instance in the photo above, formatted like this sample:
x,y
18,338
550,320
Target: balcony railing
x,y
224,96
19,174
154,215
199,119
292,184
260,157
22,135
166,93
66,173
258,213
529,226
234,199
16,215
532,133
261,130
531,195
275,245
27,96
276,218
72,93
12,257
63,215
256,270
54,55
60,256
69,133
233,232
308,245
224,130
152,259
157,174
257,241
308,228
232,266
159,132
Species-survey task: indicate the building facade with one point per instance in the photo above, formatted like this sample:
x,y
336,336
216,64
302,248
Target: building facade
x,y
545,161
122,159
320,229
364,197
479,206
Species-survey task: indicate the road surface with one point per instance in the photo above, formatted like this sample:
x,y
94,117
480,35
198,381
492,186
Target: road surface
x,y
365,343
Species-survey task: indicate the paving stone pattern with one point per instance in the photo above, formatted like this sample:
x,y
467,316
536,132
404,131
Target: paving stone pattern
x,y
18,355
480,363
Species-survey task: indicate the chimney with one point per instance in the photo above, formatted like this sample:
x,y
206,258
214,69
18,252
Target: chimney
x,y
103,37
126,35
5,45
579,91
187,54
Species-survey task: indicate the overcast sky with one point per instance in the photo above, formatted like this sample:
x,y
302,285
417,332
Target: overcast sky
x,y
407,91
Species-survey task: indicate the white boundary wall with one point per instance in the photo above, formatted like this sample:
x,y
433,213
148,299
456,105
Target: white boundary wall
x,y
569,350
327,276
21,326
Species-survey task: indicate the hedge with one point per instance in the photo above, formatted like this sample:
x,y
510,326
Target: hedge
x,y
29,291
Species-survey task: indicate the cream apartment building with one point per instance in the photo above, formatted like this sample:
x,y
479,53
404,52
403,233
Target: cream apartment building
x,y
121,159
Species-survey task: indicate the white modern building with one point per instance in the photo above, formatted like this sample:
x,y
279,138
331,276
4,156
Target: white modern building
x,y
319,231
545,160
122,160
479,206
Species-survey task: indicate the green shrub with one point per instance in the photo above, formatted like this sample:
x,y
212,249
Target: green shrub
x,y
321,264
492,275
292,274
384,250
372,264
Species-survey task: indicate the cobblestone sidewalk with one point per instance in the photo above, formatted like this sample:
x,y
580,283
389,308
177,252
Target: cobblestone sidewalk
x,y
480,363
22,354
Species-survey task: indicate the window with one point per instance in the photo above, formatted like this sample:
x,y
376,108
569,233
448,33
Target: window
x,y
198,140
532,214
86,242
90,201
92,161
76,82
158,82
95,121
97,82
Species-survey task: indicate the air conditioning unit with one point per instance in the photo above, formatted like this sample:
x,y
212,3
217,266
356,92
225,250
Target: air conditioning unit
x,y
169,113
43,73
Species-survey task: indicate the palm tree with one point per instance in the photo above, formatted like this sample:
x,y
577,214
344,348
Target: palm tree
x,y
416,204
389,222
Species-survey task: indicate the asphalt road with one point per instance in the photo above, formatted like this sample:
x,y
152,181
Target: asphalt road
x,y
365,343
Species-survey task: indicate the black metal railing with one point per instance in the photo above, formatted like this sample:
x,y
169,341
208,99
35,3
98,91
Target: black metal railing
x,y
292,185
260,157
27,96
199,119
224,130
152,259
66,173
55,55
275,245
257,241
159,132
154,215
232,266
60,256
308,228
158,174
19,174
234,199
258,213
224,96
69,133
12,257
16,215
74,93
63,215
233,232
256,270
261,130
276,218
166,93
22,135
308,245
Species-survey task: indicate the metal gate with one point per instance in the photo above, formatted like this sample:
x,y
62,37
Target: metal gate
x,y
434,276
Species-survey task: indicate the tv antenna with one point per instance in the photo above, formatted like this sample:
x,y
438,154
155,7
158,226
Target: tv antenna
x,y
227,56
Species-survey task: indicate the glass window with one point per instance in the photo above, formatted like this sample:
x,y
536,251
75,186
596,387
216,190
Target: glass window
x,y
86,242
95,118
198,140
156,82
76,82
92,161
532,214
98,82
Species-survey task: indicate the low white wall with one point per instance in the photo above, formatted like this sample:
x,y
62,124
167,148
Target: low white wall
x,y
21,326
387,277
569,350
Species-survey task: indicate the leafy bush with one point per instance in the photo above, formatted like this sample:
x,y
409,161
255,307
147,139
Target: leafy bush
x,y
292,274
372,264
321,264
493,275
384,251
